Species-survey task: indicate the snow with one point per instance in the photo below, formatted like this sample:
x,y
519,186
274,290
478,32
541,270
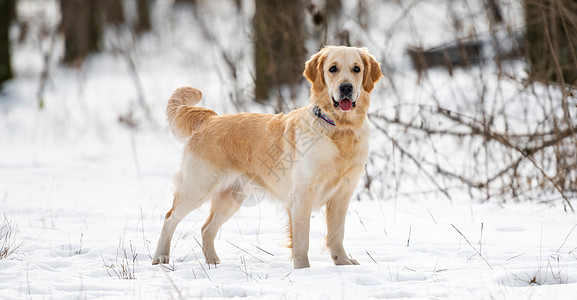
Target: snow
x,y
86,195
76,222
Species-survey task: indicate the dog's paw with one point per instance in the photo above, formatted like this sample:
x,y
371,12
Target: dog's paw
x,y
302,265
213,261
345,261
161,259
300,262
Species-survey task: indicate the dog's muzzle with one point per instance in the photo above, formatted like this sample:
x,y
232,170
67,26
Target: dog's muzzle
x,y
345,102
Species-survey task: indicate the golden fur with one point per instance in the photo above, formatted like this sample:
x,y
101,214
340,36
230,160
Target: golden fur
x,y
299,158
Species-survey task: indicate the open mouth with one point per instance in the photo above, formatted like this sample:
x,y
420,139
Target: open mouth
x,y
344,104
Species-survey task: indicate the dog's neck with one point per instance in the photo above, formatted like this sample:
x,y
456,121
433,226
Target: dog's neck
x,y
353,119
319,113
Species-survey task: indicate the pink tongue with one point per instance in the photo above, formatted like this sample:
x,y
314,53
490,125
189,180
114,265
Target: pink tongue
x,y
345,104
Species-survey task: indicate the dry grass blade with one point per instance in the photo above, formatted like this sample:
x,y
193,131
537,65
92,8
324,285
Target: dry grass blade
x,y
261,249
8,245
174,286
239,248
566,238
371,257
201,266
467,240
124,264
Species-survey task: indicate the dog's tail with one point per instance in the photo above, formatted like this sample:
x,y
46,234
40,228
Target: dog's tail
x,y
183,117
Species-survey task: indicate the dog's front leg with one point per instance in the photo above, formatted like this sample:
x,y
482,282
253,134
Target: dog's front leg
x,y
300,219
336,212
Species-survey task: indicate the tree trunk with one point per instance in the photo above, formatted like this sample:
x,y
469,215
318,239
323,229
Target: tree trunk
x,y
279,49
113,11
143,11
552,40
7,14
83,23
82,29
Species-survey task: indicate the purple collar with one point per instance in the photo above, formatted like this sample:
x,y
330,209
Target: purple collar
x,y
317,112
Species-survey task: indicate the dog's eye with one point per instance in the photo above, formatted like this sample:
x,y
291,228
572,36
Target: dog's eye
x,y
333,69
356,69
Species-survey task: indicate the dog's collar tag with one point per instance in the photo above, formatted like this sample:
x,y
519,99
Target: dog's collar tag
x,y
317,112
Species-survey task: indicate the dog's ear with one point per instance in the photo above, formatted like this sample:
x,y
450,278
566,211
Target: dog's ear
x,y
372,70
314,70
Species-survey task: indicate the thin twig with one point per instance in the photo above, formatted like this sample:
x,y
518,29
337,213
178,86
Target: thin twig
x,y
409,239
201,266
175,286
261,249
566,237
467,240
415,161
245,252
371,257
515,256
139,88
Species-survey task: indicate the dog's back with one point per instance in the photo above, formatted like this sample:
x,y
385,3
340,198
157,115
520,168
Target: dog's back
x,y
250,143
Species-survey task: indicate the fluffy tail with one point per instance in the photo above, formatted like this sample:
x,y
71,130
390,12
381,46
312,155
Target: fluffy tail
x,y
183,117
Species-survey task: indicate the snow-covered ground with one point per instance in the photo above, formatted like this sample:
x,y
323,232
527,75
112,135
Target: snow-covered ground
x,y
83,212
85,197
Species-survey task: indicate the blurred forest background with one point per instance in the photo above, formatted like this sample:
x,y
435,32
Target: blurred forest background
x,y
483,106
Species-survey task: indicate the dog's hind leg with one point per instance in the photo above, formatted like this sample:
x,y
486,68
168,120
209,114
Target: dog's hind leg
x,y
224,205
173,217
193,188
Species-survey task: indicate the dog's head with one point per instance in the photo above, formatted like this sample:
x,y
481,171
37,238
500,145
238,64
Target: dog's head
x,y
342,78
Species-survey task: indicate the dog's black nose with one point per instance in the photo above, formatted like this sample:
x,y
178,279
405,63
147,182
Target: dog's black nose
x,y
346,88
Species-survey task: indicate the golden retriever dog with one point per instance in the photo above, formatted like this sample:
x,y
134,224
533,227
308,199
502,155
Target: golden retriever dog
x,y
310,157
